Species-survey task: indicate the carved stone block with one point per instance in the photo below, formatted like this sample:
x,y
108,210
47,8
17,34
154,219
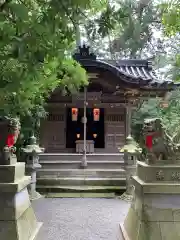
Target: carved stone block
x,y
158,172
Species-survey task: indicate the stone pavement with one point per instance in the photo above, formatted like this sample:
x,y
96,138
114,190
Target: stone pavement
x,y
80,218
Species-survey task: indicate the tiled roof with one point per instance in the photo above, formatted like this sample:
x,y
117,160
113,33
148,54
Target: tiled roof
x,y
133,71
137,69
142,69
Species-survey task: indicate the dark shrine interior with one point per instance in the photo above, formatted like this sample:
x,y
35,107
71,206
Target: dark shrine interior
x,y
94,129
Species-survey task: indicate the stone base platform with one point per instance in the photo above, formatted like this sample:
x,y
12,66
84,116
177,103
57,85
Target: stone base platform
x,y
155,218
17,218
25,227
155,210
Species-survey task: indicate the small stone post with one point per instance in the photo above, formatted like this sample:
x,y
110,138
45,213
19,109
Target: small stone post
x,y
31,153
17,218
131,150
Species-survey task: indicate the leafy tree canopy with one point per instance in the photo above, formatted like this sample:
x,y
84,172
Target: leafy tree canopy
x,y
171,17
36,39
169,116
130,27
171,21
134,29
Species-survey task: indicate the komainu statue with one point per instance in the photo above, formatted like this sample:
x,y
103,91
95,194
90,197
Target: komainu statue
x,y
161,144
9,132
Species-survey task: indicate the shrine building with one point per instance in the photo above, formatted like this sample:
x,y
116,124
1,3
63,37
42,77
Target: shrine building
x,y
102,109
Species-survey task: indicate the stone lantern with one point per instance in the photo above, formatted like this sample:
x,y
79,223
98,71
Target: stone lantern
x,y
131,150
17,218
31,153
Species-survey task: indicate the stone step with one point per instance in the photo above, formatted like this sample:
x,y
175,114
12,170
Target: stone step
x,y
78,157
55,173
80,191
79,181
63,173
84,187
79,195
76,164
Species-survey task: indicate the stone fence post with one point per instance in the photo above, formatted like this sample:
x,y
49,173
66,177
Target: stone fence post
x,y
131,151
31,154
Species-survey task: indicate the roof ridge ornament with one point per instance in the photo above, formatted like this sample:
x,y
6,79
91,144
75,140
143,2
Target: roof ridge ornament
x,y
150,64
84,53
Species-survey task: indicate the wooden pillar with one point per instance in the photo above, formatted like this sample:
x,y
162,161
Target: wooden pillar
x,y
128,118
84,158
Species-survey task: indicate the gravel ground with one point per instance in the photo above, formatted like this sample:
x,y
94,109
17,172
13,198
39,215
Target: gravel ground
x,y
80,218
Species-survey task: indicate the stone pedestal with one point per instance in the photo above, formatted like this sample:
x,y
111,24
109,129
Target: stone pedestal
x,y
155,210
17,218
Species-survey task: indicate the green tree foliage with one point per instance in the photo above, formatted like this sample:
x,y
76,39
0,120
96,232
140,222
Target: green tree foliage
x,y
148,109
171,21
134,37
171,17
169,116
100,27
129,27
36,39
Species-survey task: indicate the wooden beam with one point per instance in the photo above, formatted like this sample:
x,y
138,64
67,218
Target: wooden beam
x,y
80,105
93,75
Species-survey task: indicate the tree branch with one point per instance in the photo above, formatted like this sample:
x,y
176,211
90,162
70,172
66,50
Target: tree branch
x,y
68,14
3,5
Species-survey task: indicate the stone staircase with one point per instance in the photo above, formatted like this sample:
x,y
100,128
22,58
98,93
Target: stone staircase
x,y
61,175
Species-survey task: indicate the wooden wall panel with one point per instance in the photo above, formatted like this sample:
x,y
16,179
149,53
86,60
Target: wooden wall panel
x,y
53,130
53,136
114,128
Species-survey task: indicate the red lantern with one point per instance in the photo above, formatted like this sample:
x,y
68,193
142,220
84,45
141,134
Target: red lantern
x,y
96,114
74,112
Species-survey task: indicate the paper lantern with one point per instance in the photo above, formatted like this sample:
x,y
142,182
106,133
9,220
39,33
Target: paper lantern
x,y
95,135
96,114
74,112
78,135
